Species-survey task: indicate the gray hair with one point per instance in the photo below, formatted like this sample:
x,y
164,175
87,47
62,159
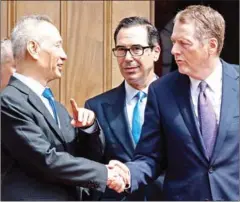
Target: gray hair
x,y
26,29
6,51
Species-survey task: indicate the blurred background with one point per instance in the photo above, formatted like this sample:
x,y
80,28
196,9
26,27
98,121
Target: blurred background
x,y
87,30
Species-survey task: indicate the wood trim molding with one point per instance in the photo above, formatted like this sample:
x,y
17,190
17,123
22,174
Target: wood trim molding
x,y
152,12
63,31
107,62
11,16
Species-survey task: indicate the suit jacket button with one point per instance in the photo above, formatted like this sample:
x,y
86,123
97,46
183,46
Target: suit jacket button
x,y
211,170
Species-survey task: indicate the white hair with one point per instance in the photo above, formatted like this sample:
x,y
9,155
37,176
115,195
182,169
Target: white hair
x,y
6,51
27,29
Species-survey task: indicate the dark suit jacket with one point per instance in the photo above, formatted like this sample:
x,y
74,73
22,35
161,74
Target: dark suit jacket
x,y
111,113
171,140
39,160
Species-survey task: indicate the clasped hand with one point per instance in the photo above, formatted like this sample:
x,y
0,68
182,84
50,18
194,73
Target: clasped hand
x,y
118,176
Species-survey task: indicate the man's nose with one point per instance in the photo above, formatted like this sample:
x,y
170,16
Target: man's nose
x,y
63,55
128,55
175,49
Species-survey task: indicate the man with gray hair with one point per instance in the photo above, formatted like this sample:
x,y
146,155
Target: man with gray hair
x,y
7,62
42,146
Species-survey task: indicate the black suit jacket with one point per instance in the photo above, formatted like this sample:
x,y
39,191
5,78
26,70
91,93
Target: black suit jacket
x,y
41,161
111,113
171,140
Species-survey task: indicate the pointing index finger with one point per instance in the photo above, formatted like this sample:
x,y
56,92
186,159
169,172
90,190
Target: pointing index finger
x,y
74,108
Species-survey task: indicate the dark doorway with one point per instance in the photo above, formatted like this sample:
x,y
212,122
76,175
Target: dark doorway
x,y
165,10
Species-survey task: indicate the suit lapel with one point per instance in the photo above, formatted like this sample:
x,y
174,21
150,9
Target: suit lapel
x,y
115,113
184,100
228,106
37,103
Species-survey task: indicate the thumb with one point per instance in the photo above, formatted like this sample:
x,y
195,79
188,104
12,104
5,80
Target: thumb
x,y
73,122
119,164
74,109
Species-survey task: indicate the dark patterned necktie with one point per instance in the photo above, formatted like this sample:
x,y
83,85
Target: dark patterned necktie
x,y
207,119
47,93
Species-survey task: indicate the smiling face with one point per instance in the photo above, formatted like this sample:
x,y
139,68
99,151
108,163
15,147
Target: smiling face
x,y
51,55
136,70
192,55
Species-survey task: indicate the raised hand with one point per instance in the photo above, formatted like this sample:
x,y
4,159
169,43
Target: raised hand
x,y
81,117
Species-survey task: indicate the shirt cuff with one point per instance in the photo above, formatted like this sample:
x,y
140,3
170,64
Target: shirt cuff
x,y
90,129
128,186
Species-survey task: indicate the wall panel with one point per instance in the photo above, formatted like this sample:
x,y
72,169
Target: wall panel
x,y
85,50
4,17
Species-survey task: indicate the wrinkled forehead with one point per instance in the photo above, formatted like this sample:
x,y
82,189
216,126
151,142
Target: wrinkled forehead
x,y
132,35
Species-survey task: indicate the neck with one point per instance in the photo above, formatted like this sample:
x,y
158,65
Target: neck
x,y
31,70
143,83
210,67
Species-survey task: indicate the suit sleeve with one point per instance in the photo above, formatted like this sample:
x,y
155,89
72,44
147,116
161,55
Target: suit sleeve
x,y
93,142
30,147
149,156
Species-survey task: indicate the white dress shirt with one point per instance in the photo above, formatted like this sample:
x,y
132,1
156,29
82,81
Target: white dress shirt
x,y
131,101
213,91
36,87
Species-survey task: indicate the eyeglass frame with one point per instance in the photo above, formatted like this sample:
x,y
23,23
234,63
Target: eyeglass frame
x,y
129,50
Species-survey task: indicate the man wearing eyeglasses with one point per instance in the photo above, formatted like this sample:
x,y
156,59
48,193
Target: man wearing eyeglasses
x,y
120,111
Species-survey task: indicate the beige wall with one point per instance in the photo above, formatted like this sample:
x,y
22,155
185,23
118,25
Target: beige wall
x,y
87,29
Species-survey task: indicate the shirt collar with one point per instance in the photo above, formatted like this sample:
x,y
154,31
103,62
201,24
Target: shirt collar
x,y
34,85
131,92
212,80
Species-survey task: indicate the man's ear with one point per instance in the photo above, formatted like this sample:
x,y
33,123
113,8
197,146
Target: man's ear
x,y
157,51
33,49
212,46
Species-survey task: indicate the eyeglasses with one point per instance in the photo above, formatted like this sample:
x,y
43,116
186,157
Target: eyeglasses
x,y
135,50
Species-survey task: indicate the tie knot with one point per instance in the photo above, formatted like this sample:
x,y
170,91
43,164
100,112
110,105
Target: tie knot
x,y
140,95
202,86
47,93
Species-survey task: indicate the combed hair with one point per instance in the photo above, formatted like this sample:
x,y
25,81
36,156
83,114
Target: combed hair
x,y
24,31
208,23
153,35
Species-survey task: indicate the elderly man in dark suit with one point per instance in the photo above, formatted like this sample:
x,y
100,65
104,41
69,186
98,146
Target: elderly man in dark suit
x,y
120,111
191,126
42,153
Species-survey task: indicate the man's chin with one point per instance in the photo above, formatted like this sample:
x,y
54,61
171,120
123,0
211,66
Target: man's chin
x,y
55,77
132,78
183,70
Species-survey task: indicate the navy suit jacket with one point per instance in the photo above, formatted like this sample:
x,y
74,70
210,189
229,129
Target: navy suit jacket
x,y
171,140
111,113
39,160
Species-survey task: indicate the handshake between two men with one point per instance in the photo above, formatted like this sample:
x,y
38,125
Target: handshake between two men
x,y
118,176
118,173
